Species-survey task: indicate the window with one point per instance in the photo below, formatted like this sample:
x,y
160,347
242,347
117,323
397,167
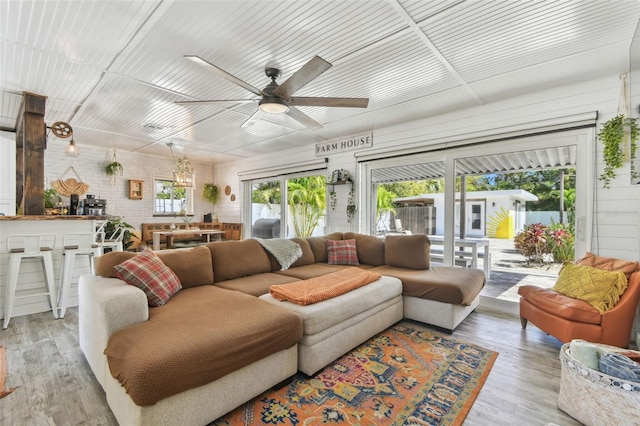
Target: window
x,y
171,201
292,206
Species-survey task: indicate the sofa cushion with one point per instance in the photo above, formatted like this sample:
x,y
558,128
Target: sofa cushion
x,y
147,272
560,305
599,288
407,251
235,259
202,334
370,249
256,285
192,266
457,286
627,267
310,271
319,245
342,252
322,315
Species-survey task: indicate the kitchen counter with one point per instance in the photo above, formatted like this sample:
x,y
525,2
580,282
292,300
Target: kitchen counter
x,y
31,277
57,217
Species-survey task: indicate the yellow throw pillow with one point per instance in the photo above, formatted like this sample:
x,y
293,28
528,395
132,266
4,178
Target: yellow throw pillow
x,y
599,288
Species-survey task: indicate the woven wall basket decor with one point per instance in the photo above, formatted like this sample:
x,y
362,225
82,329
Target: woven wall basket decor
x,y
70,185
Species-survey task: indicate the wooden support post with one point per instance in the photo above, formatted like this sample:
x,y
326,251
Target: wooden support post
x,y
31,141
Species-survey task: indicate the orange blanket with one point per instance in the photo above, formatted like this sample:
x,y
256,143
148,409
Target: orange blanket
x,y
323,287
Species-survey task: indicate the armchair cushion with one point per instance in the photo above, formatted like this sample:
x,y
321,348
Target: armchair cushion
x,y
600,288
628,267
560,305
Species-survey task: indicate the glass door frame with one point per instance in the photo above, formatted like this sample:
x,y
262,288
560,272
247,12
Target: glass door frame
x,y
582,138
284,196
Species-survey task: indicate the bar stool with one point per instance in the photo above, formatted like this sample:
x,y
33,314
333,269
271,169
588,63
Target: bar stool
x,y
74,245
113,242
29,247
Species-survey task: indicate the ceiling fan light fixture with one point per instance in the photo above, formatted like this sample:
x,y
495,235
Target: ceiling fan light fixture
x,y
273,106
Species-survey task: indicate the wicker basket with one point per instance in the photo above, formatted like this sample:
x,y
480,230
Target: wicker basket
x,y
595,398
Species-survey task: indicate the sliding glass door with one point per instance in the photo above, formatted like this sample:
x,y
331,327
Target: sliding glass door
x,y
288,206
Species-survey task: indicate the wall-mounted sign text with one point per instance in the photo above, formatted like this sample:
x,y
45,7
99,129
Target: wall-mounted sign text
x,y
349,143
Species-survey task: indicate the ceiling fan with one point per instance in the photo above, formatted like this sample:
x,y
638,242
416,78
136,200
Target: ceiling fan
x,y
276,98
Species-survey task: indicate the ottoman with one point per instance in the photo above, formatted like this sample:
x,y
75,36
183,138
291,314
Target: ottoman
x,y
333,327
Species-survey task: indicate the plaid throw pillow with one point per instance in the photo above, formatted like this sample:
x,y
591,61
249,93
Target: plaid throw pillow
x,y
147,272
342,252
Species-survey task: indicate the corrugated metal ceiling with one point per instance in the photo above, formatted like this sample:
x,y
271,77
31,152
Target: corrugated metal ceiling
x,y
113,69
537,159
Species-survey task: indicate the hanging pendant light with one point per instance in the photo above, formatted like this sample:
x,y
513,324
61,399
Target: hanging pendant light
x,y
64,130
184,176
72,150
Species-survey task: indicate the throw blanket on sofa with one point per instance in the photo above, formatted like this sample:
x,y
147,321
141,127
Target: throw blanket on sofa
x,y
323,287
285,251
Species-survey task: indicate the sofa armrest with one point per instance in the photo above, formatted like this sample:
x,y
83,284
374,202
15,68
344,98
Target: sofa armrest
x,y
105,306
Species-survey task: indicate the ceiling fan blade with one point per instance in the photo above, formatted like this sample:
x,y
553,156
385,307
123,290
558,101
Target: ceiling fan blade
x,y
255,117
330,102
217,101
303,118
302,77
232,78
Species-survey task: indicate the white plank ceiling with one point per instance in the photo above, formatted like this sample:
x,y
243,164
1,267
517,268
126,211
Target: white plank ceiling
x,y
113,69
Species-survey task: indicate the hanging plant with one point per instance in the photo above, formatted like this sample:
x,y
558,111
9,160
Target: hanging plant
x,y
333,199
114,169
351,205
612,135
211,193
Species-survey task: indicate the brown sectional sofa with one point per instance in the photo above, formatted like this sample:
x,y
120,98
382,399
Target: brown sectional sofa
x,y
223,283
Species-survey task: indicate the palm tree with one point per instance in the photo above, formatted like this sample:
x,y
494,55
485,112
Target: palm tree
x,y
384,203
307,203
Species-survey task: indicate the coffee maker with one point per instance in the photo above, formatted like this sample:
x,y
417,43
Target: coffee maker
x,y
94,206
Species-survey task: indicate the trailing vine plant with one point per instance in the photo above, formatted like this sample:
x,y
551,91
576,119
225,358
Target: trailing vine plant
x,y
611,135
351,205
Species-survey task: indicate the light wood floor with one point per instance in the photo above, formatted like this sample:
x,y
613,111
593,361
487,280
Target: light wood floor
x,y
58,388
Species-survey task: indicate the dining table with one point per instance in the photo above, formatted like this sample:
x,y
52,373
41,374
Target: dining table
x,y
216,233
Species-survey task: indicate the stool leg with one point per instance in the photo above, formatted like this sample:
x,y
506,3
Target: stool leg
x,y
12,281
69,258
47,262
92,265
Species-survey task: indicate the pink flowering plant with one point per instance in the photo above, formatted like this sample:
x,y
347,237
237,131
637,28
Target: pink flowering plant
x,y
561,242
536,241
531,242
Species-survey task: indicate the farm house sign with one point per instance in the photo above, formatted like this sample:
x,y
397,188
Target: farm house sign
x,y
350,143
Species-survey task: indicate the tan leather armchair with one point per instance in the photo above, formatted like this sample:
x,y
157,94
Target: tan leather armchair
x,y
566,318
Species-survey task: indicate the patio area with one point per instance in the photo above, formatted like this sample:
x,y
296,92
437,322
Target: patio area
x,y
509,270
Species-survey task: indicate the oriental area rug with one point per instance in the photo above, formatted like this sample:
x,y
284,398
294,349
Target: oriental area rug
x,y
3,373
402,376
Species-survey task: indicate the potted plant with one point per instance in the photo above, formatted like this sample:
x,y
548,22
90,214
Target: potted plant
x,y
612,135
114,169
113,225
51,198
